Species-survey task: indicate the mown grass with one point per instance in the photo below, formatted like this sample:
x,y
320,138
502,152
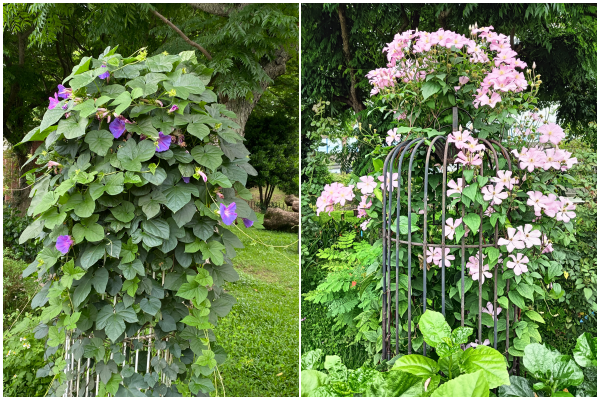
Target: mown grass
x,y
261,333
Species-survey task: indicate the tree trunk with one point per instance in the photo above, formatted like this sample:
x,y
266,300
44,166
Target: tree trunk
x,y
354,100
242,107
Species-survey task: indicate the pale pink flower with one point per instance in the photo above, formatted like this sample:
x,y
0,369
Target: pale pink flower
x,y
455,187
476,343
519,263
392,136
367,184
529,236
505,179
514,240
536,200
387,183
551,133
565,208
493,194
451,226
363,226
433,255
546,245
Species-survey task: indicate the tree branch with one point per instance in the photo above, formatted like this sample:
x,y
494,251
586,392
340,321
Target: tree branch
x,y
184,37
222,10
357,105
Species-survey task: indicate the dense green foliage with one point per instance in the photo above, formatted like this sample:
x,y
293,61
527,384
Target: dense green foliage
x,y
14,223
466,373
247,46
551,374
133,227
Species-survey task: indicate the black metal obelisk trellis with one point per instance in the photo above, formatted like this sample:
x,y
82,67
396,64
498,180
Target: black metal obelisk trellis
x,y
445,152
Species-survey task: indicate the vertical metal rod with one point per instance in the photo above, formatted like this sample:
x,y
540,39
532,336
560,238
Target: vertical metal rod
x,y
409,194
444,178
149,351
137,352
78,375
87,379
97,383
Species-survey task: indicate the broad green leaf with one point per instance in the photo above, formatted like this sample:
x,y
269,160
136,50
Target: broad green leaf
x,y
150,305
131,286
516,298
91,255
87,206
124,212
55,337
430,88
417,365
473,221
311,380
157,227
208,156
71,128
212,250
199,130
488,360
585,353
132,269
434,328
132,154
534,316
179,195
99,141
71,273
519,387
468,385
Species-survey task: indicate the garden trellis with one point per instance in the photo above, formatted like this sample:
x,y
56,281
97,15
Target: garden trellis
x,y
393,239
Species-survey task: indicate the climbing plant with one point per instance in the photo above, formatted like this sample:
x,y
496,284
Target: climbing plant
x,y
137,192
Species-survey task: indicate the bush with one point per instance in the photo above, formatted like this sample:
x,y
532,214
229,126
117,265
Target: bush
x,y
23,356
16,291
14,225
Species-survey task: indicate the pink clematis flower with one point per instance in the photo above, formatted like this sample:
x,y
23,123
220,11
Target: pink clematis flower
x,y
367,184
529,236
392,136
493,194
476,343
551,133
514,240
536,200
394,180
519,263
451,226
455,187
504,179
363,226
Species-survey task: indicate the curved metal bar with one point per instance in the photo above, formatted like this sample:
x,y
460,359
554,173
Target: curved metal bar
x,y
386,247
398,206
410,164
425,192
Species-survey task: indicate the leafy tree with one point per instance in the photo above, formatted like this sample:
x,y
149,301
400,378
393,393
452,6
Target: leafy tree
x,y
273,143
247,46
342,43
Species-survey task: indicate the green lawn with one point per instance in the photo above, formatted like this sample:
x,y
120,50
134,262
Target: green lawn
x,y
261,333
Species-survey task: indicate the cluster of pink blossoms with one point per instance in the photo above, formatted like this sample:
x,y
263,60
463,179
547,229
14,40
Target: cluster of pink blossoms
x,y
532,158
502,78
560,208
473,266
333,194
434,255
470,148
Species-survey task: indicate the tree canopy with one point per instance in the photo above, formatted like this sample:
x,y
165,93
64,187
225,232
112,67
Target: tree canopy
x,y
342,43
247,45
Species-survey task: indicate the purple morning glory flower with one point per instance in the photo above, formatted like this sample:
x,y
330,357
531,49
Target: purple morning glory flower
x,y
228,213
248,223
104,75
53,101
164,141
186,179
63,92
173,108
64,243
117,127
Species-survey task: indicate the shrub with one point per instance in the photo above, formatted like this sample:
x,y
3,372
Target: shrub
x,y
14,224
16,291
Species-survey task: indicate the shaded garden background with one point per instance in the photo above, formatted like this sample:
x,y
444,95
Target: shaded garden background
x,y
253,49
342,43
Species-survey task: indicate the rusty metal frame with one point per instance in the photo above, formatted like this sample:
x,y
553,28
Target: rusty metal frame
x,y
393,164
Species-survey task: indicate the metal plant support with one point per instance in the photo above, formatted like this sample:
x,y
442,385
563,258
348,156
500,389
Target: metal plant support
x,y
444,153
141,352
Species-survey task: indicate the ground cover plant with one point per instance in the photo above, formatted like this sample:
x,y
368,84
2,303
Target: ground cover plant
x,y
523,198
136,199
